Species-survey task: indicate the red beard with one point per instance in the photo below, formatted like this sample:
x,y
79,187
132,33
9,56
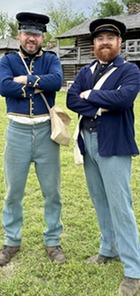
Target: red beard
x,y
106,53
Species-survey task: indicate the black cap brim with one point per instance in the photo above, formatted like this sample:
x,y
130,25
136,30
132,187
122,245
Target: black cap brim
x,y
101,25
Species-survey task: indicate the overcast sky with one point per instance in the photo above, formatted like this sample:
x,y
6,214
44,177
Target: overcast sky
x,y
14,6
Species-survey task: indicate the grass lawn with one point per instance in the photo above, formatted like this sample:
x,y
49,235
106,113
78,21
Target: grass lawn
x,y
31,273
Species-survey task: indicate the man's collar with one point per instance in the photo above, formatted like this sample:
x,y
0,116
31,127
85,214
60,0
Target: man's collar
x,y
31,56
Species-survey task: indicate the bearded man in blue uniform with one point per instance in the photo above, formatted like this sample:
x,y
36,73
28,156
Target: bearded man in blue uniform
x,y
103,94
28,134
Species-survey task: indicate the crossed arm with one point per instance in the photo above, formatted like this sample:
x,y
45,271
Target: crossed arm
x,y
23,79
85,94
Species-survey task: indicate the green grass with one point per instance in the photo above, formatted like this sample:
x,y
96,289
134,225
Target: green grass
x,y
31,273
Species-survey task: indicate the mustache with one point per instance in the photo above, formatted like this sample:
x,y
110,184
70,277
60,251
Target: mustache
x,y
105,46
31,42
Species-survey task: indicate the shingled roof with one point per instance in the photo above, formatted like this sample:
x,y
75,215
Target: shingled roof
x,y
9,43
132,22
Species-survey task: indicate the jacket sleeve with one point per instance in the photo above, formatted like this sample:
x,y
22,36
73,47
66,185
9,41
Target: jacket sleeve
x,y
74,101
124,93
7,86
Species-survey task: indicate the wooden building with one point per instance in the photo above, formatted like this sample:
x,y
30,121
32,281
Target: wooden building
x,y
81,53
8,44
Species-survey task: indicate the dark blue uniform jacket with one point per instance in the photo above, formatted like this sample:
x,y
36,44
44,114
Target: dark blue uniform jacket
x,y
115,129
46,74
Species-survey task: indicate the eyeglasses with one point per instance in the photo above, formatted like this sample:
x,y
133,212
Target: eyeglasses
x,y
35,35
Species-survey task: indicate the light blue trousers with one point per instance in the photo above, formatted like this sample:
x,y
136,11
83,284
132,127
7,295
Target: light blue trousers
x,y
108,180
26,144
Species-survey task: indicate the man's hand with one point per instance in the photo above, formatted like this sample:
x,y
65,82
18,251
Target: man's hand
x,y
21,79
104,110
100,111
37,91
85,94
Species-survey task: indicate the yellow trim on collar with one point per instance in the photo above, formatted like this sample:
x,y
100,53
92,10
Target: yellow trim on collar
x,y
37,55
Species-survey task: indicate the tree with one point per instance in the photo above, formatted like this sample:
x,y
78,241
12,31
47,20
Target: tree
x,y
127,2
108,8
3,24
12,28
8,27
62,17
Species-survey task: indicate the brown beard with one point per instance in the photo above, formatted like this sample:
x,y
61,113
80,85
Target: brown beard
x,y
108,55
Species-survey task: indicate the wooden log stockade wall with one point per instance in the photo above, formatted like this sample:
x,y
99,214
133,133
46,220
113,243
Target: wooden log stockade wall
x,y
84,42
72,69
69,72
